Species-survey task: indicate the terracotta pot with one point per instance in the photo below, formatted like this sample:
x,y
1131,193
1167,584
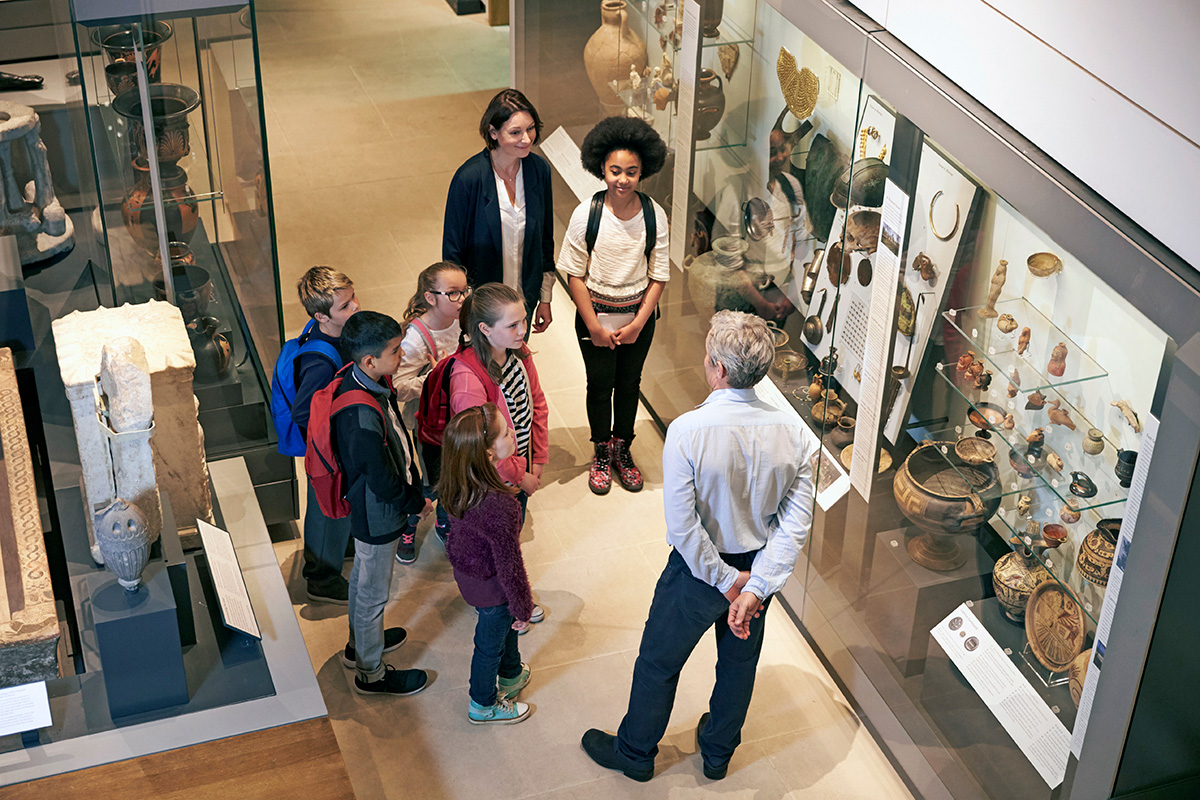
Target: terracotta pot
x,y
170,104
611,52
933,492
843,434
1096,553
180,209
710,104
710,17
194,291
212,349
1015,577
117,43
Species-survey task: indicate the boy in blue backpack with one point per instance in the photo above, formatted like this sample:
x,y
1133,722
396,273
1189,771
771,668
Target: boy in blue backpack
x,y
328,297
382,487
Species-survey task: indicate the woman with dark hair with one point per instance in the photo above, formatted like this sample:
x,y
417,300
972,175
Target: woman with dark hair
x,y
616,283
499,220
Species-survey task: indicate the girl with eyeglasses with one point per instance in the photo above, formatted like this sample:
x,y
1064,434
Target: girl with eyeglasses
x,y
485,552
431,333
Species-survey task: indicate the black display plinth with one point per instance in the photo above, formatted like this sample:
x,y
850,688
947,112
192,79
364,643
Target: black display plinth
x,y
137,634
462,7
906,600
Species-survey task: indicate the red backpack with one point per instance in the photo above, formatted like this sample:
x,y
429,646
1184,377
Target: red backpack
x,y
433,410
320,459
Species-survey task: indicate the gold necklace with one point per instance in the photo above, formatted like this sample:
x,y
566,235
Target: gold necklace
x,y
933,228
871,131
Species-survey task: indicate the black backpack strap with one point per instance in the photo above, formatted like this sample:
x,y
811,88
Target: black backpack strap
x,y
593,225
788,191
651,220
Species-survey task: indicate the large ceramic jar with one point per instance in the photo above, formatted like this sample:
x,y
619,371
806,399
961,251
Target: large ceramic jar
x,y
180,209
1015,577
124,540
1096,553
945,497
710,103
612,51
211,348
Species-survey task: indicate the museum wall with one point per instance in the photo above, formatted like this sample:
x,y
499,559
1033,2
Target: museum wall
x,y
1096,85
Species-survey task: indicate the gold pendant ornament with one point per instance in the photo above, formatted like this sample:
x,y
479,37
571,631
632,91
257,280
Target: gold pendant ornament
x,y
800,87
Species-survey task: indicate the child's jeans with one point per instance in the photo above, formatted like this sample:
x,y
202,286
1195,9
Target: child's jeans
x,y
496,653
370,585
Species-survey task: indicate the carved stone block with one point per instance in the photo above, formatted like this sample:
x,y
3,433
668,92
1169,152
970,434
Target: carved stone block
x,y
28,620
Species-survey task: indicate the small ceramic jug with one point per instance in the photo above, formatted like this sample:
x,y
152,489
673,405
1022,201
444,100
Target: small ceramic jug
x,y
1093,443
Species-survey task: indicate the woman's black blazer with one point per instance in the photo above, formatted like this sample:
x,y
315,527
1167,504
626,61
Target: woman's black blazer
x,y
471,229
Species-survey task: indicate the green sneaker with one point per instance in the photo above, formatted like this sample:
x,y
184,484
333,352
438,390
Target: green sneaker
x,y
509,688
504,712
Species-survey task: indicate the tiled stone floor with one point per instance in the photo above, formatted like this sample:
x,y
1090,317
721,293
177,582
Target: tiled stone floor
x,y
371,105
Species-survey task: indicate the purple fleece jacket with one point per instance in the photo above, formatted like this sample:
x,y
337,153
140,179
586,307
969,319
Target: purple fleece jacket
x,y
484,548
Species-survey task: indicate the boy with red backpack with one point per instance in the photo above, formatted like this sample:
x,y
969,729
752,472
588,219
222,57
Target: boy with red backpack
x,y
381,484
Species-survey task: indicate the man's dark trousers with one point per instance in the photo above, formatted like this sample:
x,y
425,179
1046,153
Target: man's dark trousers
x,y
684,608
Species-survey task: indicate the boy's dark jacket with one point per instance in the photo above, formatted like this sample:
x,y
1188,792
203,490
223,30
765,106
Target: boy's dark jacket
x,y
313,373
380,496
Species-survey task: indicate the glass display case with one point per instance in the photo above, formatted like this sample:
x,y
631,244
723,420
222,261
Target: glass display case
x,y
986,350
174,122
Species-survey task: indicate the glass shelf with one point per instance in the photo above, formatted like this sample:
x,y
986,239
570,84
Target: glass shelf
x,y
1059,440
1000,349
1011,482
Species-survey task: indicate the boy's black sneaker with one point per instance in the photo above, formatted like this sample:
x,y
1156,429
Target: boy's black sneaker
x,y
392,638
395,682
406,549
335,590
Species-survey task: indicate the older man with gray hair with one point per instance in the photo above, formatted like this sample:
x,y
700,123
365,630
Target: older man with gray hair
x,y
738,495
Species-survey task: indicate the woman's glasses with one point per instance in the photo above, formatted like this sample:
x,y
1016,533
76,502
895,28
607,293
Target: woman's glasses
x,y
454,295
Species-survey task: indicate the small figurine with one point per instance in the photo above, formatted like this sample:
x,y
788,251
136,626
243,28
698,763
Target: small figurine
x,y
1130,415
1023,342
976,369
1058,360
1008,423
1006,323
1036,440
1070,511
984,380
998,278
965,361
1082,485
1059,416
1014,382
1055,462
662,96
923,264
1024,504
1035,401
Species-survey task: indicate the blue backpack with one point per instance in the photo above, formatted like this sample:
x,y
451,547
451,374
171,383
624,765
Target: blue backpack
x,y
283,388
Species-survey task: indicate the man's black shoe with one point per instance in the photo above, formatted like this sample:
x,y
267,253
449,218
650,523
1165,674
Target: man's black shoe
x,y
395,682
601,747
712,773
392,638
335,590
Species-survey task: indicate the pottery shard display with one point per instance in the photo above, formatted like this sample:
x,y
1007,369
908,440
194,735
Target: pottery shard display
x,y
1077,674
29,209
611,52
1014,578
178,441
710,104
124,541
945,497
28,621
1096,553
1055,626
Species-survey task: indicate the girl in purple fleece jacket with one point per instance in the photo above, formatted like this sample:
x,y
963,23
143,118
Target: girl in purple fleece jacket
x,y
484,548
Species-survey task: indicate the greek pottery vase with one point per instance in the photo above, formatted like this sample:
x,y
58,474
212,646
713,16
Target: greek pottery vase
x,y
843,434
1077,674
611,52
1096,553
1015,577
170,104
180,209
710,103
194,291
124,540
1093,443
120,77
212,349
117,43
1126,461
944,497
710,17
